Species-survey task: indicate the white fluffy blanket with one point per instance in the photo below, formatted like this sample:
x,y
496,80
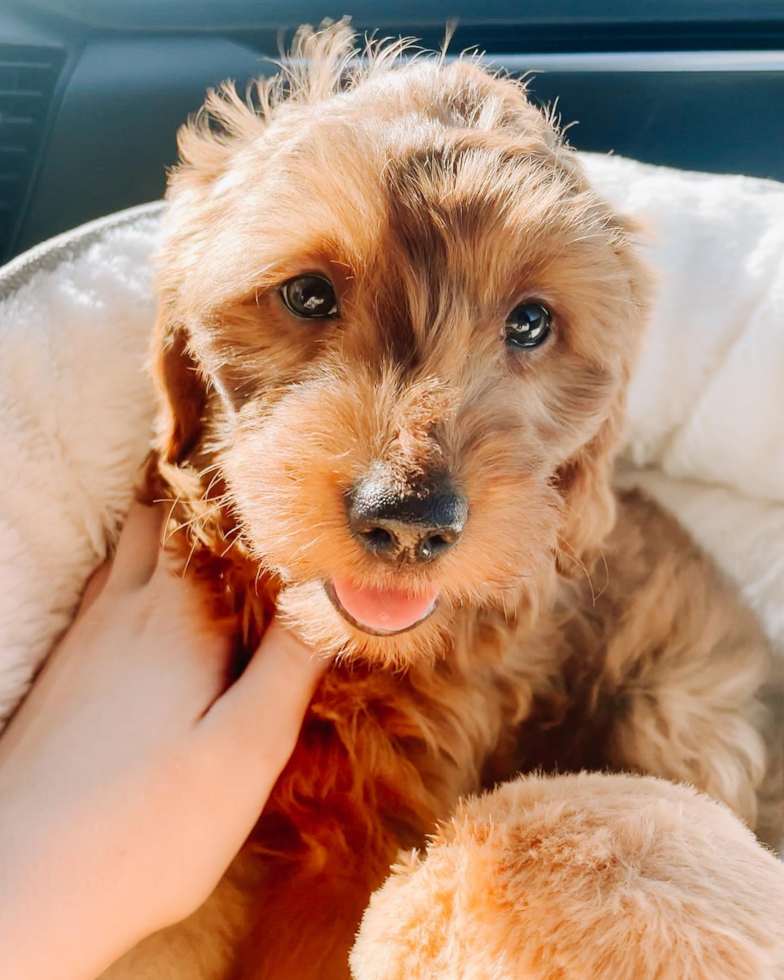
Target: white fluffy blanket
x,y
706,427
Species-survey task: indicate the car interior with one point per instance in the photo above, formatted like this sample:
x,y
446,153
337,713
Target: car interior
x,y
92,91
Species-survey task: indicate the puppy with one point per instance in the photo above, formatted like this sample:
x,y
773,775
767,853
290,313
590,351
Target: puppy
x,y
396,328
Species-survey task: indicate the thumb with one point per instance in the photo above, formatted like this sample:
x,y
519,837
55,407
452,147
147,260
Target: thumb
x,y
261,713
94,588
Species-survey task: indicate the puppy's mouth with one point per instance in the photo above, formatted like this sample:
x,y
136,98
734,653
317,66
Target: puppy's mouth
x,y
380,612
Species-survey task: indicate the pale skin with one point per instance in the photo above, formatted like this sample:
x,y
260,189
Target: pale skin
x,y
132,774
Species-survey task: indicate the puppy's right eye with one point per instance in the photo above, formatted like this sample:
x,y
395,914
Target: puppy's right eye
x,y
311,297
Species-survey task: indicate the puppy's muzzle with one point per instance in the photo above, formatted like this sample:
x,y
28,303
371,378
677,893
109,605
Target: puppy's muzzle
x,y
417,524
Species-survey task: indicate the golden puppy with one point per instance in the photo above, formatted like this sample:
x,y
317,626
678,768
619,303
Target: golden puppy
x,y
396,327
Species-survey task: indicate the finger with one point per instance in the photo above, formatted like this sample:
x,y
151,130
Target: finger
x,y
261,714
94,588
139,545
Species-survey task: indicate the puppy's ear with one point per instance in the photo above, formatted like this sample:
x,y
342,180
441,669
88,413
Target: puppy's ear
x,y
206,145
585,483
181,390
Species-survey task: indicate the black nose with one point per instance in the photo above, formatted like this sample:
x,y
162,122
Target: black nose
x,y
418,523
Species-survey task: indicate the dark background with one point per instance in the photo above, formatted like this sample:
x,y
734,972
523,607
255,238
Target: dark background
x,y
92,91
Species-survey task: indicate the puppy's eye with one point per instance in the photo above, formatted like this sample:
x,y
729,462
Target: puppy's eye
x,y
312,297
528,325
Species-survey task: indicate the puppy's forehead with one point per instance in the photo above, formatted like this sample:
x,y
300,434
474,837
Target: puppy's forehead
x,y
444,200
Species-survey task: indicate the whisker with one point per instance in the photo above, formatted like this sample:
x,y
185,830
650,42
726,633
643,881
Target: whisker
x,y
606,575
211,484
196,519
169,516
233,535
208,469
191,554
580,564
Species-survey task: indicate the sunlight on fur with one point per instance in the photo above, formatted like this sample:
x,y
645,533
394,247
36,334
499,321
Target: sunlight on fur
x,y
396,327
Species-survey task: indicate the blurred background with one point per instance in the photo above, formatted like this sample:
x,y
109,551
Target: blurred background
x,y
92,91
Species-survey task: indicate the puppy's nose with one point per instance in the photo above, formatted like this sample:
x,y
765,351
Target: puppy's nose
x,y
417,524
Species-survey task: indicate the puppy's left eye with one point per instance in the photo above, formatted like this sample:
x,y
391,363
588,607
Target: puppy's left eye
x,y
312,297
528,325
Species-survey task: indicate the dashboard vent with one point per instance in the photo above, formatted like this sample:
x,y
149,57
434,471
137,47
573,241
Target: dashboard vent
x,y
27,80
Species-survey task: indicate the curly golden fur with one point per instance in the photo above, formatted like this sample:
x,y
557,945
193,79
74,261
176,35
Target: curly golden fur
x,y
434,197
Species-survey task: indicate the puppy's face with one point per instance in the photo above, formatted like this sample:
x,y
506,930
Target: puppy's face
x,y
414,322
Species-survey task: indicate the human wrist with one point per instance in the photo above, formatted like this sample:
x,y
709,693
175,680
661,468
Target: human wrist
x,y
54,920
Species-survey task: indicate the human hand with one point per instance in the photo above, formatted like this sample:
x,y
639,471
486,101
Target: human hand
x,y
131,775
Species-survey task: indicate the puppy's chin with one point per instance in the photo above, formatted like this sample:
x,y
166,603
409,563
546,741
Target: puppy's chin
x,y
313,611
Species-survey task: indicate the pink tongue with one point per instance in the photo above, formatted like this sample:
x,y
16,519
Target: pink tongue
x,y
383,609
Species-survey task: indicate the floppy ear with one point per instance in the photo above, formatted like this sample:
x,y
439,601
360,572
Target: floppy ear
x,y
585,483
181,390
206,144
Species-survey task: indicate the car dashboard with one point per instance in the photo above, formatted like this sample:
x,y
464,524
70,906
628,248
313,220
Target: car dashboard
x,y
93,91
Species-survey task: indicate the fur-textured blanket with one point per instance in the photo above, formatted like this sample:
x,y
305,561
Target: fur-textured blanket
x,y
706,410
